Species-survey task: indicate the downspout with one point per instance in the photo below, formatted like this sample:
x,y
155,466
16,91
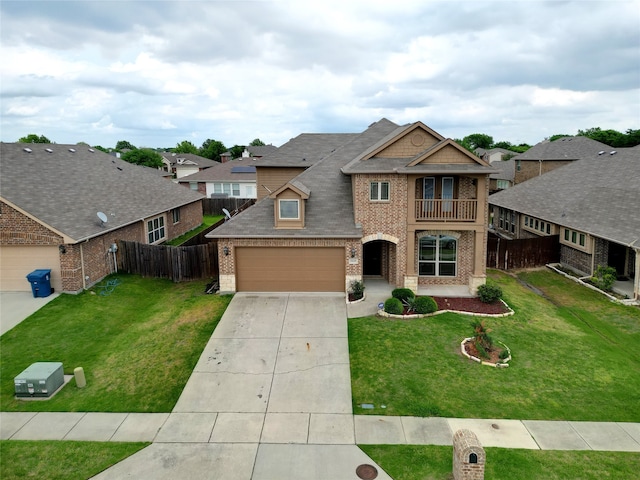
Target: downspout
x,y
84,281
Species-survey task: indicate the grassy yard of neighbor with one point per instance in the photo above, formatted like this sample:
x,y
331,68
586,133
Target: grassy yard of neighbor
x,y
64,460
404,462
575,357
207,221
137,345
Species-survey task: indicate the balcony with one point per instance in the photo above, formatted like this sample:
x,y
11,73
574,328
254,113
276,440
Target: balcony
x,y
446,210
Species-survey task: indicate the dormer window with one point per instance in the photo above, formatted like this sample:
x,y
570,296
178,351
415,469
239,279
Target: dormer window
x,y
289,209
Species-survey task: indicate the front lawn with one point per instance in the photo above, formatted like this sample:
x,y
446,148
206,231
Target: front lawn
x,y
138,345
574,358
406,462
64,460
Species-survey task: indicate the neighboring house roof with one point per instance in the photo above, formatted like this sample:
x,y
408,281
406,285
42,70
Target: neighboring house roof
x,y
64,186
305,149
481,152
598,194
507,170
565,148
188,159
239,170
329,208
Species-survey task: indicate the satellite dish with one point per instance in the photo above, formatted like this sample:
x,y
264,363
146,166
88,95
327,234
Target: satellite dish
x,y
103,218
226,213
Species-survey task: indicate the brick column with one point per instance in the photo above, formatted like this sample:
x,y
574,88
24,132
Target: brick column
x,y
468,456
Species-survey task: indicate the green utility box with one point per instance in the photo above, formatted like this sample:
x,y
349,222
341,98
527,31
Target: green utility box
x,y
40,379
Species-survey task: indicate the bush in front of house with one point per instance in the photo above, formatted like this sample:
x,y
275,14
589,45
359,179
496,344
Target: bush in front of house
x,y
489,293
403,294
604,277
393,306
424,305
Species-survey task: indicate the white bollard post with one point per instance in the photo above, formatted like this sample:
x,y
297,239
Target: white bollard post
x,y
81,381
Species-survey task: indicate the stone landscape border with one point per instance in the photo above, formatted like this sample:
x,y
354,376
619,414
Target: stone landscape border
x,y
382,313
503,364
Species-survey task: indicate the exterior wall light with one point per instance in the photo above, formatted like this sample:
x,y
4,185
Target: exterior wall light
x,y
353,252
225,250
62,249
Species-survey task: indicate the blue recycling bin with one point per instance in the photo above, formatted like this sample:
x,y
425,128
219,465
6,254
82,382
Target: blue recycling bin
x,y
40,282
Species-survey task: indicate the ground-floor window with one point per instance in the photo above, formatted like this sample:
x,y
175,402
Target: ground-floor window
x,y
437,256
155,229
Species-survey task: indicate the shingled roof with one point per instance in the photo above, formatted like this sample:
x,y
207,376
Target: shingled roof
x,y
599,195
329,208
64,186
223,172
176,159
305,149
566,148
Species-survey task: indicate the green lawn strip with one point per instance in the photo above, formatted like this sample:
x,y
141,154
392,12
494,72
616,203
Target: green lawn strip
x,y
429,462
207,221
138,345
561,369
65,460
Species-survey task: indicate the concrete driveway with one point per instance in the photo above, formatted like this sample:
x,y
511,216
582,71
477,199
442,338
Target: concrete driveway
x,y
269,398
16,306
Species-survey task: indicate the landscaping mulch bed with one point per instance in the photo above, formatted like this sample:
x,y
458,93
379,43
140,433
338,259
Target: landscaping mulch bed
x,y
473,305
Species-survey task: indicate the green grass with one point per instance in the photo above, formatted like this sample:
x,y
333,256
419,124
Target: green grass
x,y
207,221
436,463
66,460
138,345
574,358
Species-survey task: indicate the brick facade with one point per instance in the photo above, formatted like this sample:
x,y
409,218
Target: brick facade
x,y
575,259
18,229
469,457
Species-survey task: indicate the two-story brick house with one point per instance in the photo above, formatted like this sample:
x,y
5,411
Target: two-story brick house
x,y
398,202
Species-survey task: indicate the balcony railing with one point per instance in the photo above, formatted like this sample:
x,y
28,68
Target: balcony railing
x,y
446,210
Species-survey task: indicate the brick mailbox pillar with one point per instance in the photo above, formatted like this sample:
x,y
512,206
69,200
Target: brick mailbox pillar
x,y
468,456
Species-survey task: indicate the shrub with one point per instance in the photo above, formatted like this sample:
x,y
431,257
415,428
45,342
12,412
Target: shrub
x,y
481,335
489,293
393,306
402,293
604,277
357,288
424,305
504,354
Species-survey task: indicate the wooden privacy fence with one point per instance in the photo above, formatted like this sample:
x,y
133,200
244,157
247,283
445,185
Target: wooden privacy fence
x,y
522,253
180,264
214,206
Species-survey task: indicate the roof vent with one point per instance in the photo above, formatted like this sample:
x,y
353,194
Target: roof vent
x,y
613,152
91,150
48,150
27,149
602,152
72,150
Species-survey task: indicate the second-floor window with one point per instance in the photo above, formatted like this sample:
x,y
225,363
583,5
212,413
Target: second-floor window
x,y
379,191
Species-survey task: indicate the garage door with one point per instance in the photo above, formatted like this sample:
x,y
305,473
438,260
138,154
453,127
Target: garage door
x,y
290,269
16,262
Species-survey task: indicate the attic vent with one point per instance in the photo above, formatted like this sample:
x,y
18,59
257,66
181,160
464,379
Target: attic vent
x,y
613,152
72,150
48,150
602,152
91,150
27,149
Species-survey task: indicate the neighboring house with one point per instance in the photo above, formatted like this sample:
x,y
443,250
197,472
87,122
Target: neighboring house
x,y
593,204
255,151
505,176
398,202
50,199
235,179
494,154
183,164
547,156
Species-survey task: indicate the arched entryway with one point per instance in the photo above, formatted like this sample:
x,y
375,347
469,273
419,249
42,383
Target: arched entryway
x,y
379,257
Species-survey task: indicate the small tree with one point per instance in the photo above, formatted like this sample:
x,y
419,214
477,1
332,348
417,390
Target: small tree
x,y
604,277
144,157
186,146
33,138
481,338
357,289
124,145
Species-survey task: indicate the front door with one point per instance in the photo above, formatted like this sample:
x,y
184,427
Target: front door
x,y
618,258
372,265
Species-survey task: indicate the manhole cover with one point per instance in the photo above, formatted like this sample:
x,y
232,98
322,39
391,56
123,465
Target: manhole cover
x,y
366,472
495,426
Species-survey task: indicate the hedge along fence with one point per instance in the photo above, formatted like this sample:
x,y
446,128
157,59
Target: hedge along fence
x,y
180,264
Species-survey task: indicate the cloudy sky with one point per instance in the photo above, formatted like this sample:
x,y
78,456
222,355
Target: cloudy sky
x,y
159,72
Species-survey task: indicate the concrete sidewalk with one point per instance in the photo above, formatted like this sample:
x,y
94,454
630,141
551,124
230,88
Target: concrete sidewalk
x,y
316,430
